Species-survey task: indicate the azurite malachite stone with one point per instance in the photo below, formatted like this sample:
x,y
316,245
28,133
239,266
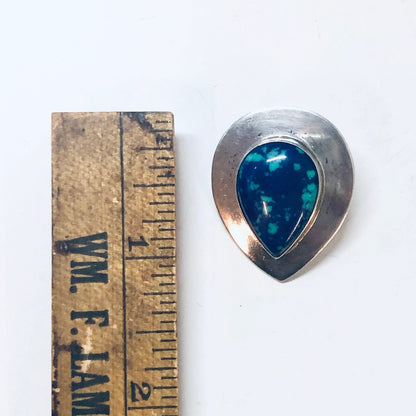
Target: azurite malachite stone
x,y
277,187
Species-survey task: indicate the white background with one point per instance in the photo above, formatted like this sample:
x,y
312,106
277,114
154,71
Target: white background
x,y
338,340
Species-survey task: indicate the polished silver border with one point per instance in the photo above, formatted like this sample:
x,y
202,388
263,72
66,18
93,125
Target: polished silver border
x,y
324,144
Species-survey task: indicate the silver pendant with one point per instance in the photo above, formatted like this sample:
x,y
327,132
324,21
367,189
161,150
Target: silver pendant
x,y
282,181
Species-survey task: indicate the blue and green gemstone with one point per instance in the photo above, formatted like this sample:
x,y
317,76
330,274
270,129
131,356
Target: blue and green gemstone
x,y
277,187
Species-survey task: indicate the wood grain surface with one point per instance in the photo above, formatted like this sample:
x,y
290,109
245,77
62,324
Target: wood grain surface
x,y
114,347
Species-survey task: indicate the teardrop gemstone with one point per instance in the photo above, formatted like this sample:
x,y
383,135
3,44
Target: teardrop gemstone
x,y
277,188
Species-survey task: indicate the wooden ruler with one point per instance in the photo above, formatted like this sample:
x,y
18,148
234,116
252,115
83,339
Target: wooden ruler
x,y
114,346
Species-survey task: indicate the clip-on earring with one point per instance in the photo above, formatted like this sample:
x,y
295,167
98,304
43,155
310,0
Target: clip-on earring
x,y
282,181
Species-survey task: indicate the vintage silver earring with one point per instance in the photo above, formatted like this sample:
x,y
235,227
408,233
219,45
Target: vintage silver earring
x,y
282,181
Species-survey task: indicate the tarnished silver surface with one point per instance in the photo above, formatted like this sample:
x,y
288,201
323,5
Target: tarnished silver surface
x,y
324,144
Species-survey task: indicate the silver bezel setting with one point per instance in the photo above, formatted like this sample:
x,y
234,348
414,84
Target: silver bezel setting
x,y
324,144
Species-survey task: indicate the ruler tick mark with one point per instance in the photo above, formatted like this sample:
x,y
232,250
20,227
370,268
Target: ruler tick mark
x,y
161,203
146,221
162,131
163,312
165,158
148,257
163,349
151,185
156,331
160,369
158,293
162,274
155,148
168,174
154,407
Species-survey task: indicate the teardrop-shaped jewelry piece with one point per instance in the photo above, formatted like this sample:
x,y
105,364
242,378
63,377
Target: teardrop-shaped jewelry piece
x,y
282,182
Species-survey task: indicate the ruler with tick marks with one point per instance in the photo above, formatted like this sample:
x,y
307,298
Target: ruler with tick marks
x,y
114,341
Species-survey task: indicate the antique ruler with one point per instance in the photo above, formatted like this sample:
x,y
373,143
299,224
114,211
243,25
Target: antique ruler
x,y
114,346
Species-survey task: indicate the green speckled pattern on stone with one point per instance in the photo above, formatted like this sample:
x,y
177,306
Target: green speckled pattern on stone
x,y
277,187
